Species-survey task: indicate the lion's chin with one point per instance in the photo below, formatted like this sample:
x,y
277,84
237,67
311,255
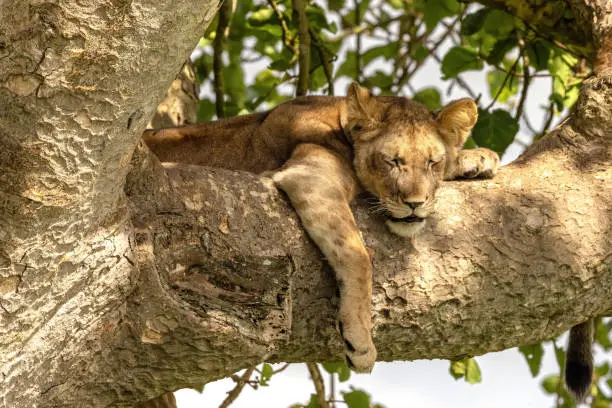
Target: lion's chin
x,y
408,228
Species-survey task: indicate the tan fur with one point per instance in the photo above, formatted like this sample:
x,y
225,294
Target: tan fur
x,y
322,151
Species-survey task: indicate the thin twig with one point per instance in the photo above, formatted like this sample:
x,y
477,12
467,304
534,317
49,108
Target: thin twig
x,y
526,83
299,15
283,368
358,42
327,68
549,118
315,374
240,383
365,28
225,16
561,377
287,40
528,123
503,85
332,390
407,74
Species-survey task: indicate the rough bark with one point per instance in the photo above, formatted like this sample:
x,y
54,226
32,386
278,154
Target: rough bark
x,y
112,298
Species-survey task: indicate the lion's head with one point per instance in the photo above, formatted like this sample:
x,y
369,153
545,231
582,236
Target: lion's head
x,y
402,151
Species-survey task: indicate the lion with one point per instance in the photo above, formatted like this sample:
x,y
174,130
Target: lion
x,y
322,151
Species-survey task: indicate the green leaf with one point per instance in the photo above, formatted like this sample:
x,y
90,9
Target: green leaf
x,y
420,53
533,354
340,368
267,371
539,53
496,79
457,369
602,334
470,143
460,59
560,356
467,368
571,96
396,4
349,65
551,384
312,403
335,5
602,369
560,66
472,23
498,23
380,79
206,110
498,53
356,399
436,10
495,130
387,51
261,17
199,388
557,99
429,97
317,19
472,375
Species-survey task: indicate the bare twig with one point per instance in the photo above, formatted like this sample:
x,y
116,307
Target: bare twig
x,y
528,123
332,390
408,73
549,118
315,374
299,13
559,402
503,85
526,83
364,28
327,67
225,16
283,368
240,383
358,42
287,40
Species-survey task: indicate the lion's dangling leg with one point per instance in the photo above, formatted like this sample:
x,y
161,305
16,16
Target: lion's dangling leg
x,y
320,185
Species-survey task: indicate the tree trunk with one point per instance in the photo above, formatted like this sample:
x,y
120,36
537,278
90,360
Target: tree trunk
x,y
117,287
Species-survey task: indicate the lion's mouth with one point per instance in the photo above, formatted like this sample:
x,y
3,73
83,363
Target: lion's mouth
x,y
408,219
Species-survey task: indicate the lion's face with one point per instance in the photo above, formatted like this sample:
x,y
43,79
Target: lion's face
x,y
402,152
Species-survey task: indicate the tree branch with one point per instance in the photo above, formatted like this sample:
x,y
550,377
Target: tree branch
x,y
317,380
235,392
225,17
299,13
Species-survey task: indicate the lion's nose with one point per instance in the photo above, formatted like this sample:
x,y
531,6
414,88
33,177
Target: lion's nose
x,y
414,204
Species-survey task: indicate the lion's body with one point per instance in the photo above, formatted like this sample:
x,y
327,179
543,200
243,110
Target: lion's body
x,y
256,142
322,151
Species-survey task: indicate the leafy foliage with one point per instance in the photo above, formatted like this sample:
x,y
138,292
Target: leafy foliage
x,y
388,45
466,368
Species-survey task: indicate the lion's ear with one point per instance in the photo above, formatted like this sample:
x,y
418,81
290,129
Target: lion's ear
x,y
362,112
456,119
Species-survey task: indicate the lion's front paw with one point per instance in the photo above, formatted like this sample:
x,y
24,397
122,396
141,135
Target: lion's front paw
x,y
360,351
476,163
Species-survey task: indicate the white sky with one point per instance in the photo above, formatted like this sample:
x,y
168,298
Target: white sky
x,y
507,382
